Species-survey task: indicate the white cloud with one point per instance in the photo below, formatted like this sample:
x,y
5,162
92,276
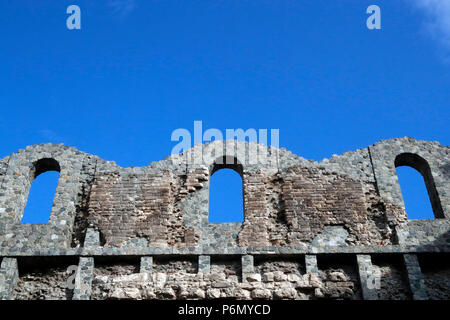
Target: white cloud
x,y
437,23
122,8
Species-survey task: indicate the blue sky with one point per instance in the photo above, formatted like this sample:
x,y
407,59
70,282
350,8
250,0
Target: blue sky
x,y
137,70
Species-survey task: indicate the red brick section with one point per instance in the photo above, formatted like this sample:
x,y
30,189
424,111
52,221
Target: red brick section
x,y
123,207
254,230
314,198
129,206
292,208
179,234
289,208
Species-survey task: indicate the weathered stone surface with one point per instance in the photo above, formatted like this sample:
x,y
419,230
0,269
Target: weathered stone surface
x,y
285,293
41,284
268,277
213,293
297,212
254,277
261,294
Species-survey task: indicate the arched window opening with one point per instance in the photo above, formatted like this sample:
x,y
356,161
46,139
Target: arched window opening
x,y
45,175
225,192
416,181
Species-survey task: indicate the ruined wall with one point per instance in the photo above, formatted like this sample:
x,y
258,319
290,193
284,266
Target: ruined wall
x,y
124,207
312,230
393,280
436,271
41,279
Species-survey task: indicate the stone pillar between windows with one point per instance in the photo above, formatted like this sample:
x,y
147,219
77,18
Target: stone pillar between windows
x,y
9,274
204,264
415,277
311,264
146,265
369,280
85,270
247,266
83,279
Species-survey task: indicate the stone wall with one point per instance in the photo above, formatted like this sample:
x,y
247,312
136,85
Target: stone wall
x,y
273,279
393,280
312,230
44,279
436,271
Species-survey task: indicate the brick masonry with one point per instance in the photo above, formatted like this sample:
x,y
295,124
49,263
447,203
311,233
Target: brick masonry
x,y
346,206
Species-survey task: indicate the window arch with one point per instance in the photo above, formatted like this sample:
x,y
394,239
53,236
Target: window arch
x,y
226,201
418,163
44,179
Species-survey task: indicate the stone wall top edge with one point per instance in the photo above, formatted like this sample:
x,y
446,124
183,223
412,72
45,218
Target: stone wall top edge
x,y
390,141
4,159
169,163
411,140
